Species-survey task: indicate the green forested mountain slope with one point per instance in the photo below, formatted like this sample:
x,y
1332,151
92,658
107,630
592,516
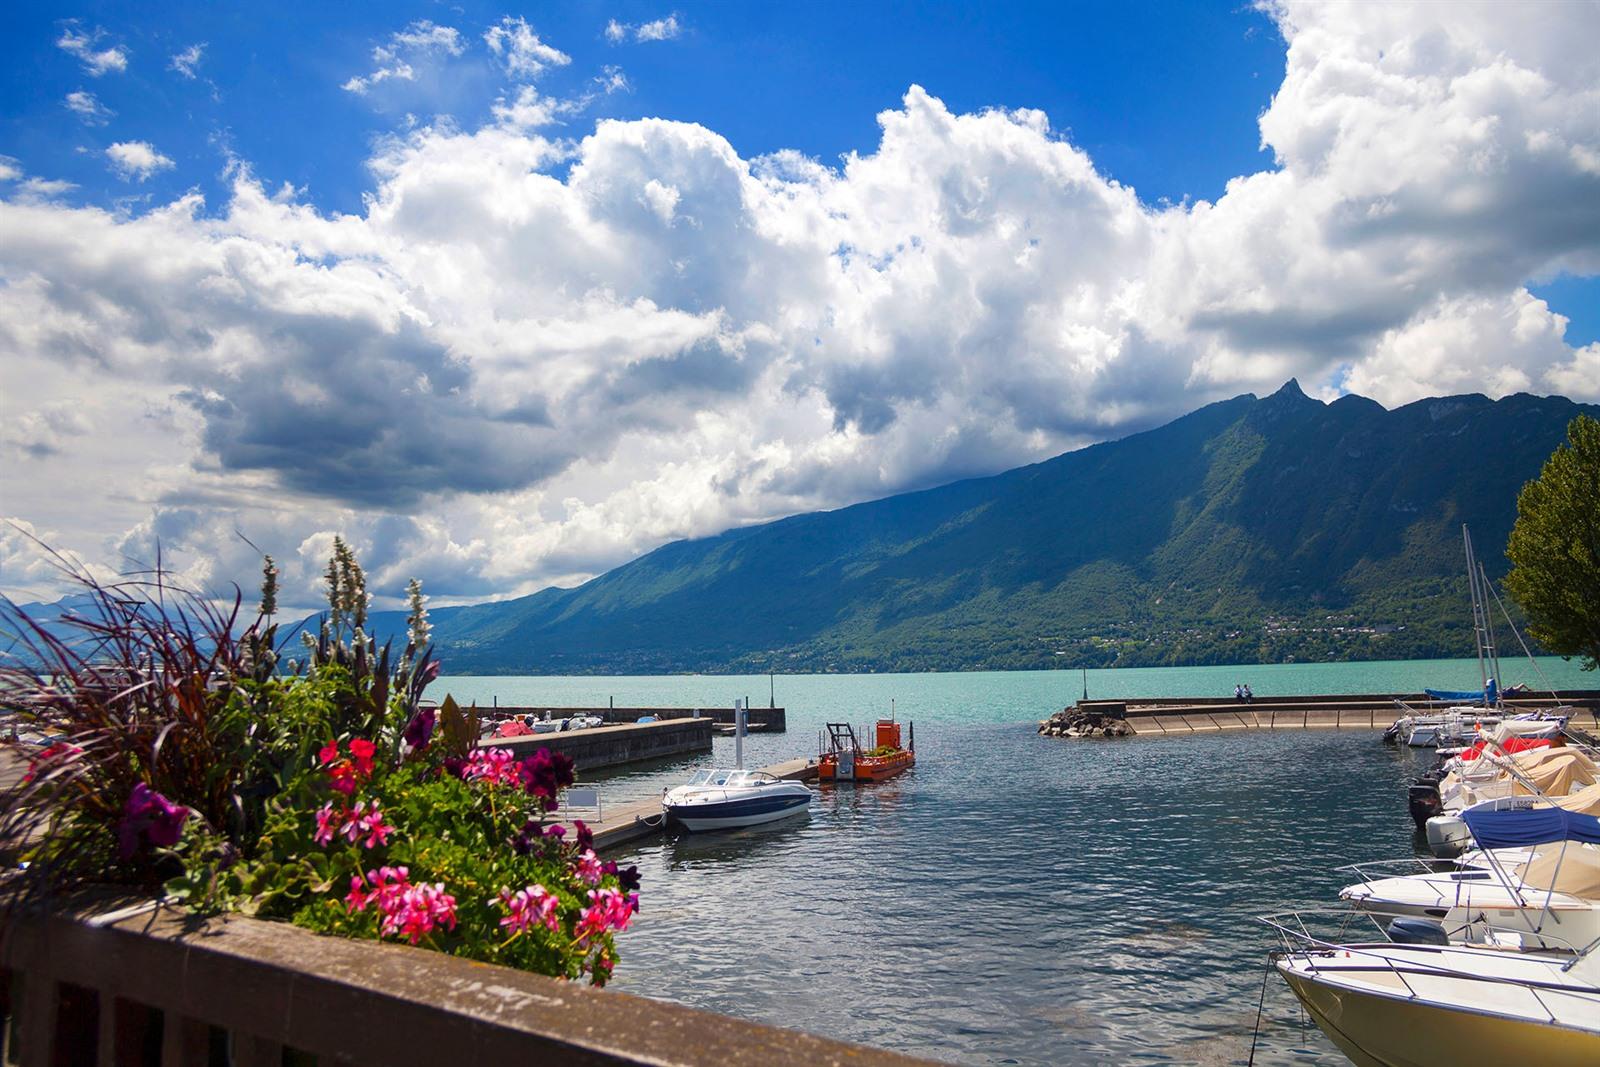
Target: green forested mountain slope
x,y
1250,530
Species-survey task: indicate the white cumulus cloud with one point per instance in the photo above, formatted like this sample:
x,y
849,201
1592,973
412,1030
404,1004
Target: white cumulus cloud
x,y
529,358
136,160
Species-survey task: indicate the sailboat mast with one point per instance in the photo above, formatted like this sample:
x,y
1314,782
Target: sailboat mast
x,y
1477,612
1488,621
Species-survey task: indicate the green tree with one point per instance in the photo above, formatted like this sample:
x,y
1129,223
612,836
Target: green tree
x,y
1555,547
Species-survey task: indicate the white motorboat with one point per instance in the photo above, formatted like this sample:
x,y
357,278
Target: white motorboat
x,y
728,799
725,799
1545,897
1388,1004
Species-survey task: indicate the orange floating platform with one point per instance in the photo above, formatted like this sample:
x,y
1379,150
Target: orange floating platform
x,y
843,759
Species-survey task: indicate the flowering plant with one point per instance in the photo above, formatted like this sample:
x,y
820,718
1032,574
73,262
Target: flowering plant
x,y
321,793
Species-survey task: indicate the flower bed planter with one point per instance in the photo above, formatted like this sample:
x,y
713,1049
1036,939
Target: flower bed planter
x,y
157,986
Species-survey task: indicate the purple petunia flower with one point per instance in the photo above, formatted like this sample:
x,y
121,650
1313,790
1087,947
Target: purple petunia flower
x,y
420,730
152,816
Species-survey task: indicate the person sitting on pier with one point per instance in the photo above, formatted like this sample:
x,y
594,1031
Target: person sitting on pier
x,y
1248,696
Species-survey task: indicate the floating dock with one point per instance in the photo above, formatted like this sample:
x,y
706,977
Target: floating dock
x,y
1158,716
620,823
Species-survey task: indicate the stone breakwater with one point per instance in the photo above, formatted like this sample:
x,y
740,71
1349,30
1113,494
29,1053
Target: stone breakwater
x,y
1088,720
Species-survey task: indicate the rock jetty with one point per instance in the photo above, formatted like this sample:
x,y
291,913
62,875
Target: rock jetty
x,y
1095,719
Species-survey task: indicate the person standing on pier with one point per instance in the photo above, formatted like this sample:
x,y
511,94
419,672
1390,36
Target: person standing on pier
x,y
1248,696
1238,693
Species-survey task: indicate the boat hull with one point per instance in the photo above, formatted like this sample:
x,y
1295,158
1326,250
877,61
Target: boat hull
x,y
1379,1031
732,814
867,768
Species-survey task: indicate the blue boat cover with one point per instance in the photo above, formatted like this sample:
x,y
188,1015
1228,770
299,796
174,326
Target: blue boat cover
x,y
1454,694
1490,694
1532,826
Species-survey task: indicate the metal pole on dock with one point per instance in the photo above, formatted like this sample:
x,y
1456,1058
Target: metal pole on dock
x,y
738,734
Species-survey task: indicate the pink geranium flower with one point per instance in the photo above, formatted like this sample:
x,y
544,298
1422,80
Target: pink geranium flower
x,y
532,906
376,830
409,911
327,824
587,867
608,910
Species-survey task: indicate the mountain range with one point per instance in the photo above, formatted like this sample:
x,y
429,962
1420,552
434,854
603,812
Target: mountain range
x,y
1252,530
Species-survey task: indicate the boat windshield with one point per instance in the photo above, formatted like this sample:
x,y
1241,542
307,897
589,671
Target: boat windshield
x,y
730,779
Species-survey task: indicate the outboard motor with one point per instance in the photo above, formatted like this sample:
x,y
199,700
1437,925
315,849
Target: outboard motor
x,y
1408,931
1422,798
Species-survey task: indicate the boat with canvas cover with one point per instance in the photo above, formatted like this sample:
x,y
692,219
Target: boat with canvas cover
x,y
1509,767
1388,1004
1532,897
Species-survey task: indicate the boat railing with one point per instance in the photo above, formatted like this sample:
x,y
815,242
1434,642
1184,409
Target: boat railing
x,y
1375,870
1298,940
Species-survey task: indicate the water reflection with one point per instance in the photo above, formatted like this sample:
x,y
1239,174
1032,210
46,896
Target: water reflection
x,y
1018,899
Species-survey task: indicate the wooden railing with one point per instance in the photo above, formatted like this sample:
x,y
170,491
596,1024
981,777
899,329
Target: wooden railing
x,y
106,984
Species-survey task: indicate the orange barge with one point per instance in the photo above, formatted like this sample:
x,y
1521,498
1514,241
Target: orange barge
x,y
843,760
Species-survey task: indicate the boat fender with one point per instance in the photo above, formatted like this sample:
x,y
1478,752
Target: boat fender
x,y
1408,931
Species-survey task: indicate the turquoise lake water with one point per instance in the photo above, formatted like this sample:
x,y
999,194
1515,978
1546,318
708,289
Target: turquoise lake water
x,y
997,696
1016,899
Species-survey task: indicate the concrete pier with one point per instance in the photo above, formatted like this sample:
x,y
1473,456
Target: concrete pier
x,y
607,746
764,720
1158,716
618,824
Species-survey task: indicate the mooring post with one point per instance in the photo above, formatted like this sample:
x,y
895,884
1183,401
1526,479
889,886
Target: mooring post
x,y
738,733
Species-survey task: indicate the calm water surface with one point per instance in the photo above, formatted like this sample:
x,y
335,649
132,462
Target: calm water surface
x,y
1015,899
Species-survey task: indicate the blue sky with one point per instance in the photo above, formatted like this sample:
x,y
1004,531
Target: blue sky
x,y
455,292
1125,82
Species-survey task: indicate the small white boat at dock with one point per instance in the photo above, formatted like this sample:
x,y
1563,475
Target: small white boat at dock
x,y
725,799
729,798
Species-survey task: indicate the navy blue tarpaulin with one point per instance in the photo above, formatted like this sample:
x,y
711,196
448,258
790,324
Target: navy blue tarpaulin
x,y
1489,694
1532,826
1453,695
